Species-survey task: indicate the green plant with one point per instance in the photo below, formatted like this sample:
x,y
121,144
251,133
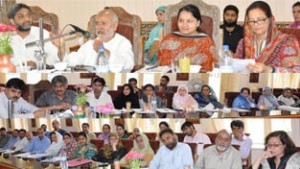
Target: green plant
x,y
5,38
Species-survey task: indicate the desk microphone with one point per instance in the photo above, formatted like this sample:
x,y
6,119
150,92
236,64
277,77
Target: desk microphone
x,y
83,32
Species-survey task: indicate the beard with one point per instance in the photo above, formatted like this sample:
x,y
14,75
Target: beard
x,y
25,27
172,145
221,148
230,24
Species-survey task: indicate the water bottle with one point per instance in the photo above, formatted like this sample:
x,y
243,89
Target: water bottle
x,y
153,103
226,60
93,113
63,160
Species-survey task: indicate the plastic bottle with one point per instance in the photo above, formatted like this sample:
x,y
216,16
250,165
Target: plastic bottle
x,y
226,60
154,103
102,60
63,160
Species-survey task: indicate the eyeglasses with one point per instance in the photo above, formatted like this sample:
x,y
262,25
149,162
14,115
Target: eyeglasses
x,y
273,145
258,21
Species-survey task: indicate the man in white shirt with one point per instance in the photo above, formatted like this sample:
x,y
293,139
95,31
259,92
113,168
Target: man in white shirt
x,y
221,155
11,101
116,46
97,97
287,98
193,136
20,16
173,154
239,138
21,143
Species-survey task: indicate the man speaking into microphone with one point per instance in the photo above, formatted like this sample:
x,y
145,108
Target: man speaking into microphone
x,y
20,16
117,48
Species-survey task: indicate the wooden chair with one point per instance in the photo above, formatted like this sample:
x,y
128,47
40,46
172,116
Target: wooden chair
x,y
127,143
154,145
210,15
113,93
98,143
129,26
98,133
74,134
194,149
229,97
180,136
151,136
35,91
51,22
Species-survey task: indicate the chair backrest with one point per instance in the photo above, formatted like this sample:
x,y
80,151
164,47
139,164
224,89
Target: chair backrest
x,y
127,143
51,23
98,143
154,145
114,93
210,15
180,136
129,26
151,135
193,148
229,97
35,91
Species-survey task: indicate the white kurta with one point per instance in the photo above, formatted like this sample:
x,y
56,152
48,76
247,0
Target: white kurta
x,y
21,53
104,99
120,53
20,145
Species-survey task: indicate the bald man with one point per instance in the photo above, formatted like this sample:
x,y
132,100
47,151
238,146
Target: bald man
x,y
39,143
221,155
116,47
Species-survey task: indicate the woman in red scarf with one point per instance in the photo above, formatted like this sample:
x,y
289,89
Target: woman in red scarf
x,y
272,50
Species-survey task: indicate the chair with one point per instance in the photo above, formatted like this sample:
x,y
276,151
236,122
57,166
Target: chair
x,y
194,149
35,91
127,143
154,145
74,134
229,97
151,136
51,23
98,143
97,133
130,27
210,15
180,136
113,93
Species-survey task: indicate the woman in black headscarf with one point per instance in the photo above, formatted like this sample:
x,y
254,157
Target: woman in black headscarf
x,y
127,95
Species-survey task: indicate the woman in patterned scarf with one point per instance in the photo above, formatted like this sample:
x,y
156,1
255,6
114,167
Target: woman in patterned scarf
x,y
69,145
272,50
84,150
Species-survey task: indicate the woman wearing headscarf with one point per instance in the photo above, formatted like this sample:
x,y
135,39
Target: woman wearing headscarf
x,y
152,45
69,145
127,95
183,101
244,100
206,96
141,145
272,50
112,151
105,133
56,143
267,100
135,132
84,150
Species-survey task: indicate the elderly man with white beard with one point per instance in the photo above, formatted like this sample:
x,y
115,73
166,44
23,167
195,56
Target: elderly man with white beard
x,y
221,155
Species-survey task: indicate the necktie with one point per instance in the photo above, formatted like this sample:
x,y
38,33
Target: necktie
x,y
10,109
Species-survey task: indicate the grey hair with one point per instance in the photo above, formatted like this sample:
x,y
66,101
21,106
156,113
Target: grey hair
x,y
115,17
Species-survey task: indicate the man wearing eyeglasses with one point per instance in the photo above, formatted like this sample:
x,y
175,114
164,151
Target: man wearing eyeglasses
x,y
13,105
233,32
221,155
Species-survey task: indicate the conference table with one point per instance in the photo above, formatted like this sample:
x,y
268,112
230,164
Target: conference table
x,y
9,161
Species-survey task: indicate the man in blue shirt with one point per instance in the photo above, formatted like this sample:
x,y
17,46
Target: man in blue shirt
x,y
13,139
40,143
29,137
172,154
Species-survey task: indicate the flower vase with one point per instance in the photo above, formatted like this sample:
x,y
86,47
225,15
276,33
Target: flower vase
x,y
5,65
79,113
135,164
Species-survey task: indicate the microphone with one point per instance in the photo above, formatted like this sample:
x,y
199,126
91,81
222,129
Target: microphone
x,y
83,32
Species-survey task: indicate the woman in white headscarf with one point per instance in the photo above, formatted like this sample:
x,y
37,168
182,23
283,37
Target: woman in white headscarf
x,y
267,100
182,100
56,143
